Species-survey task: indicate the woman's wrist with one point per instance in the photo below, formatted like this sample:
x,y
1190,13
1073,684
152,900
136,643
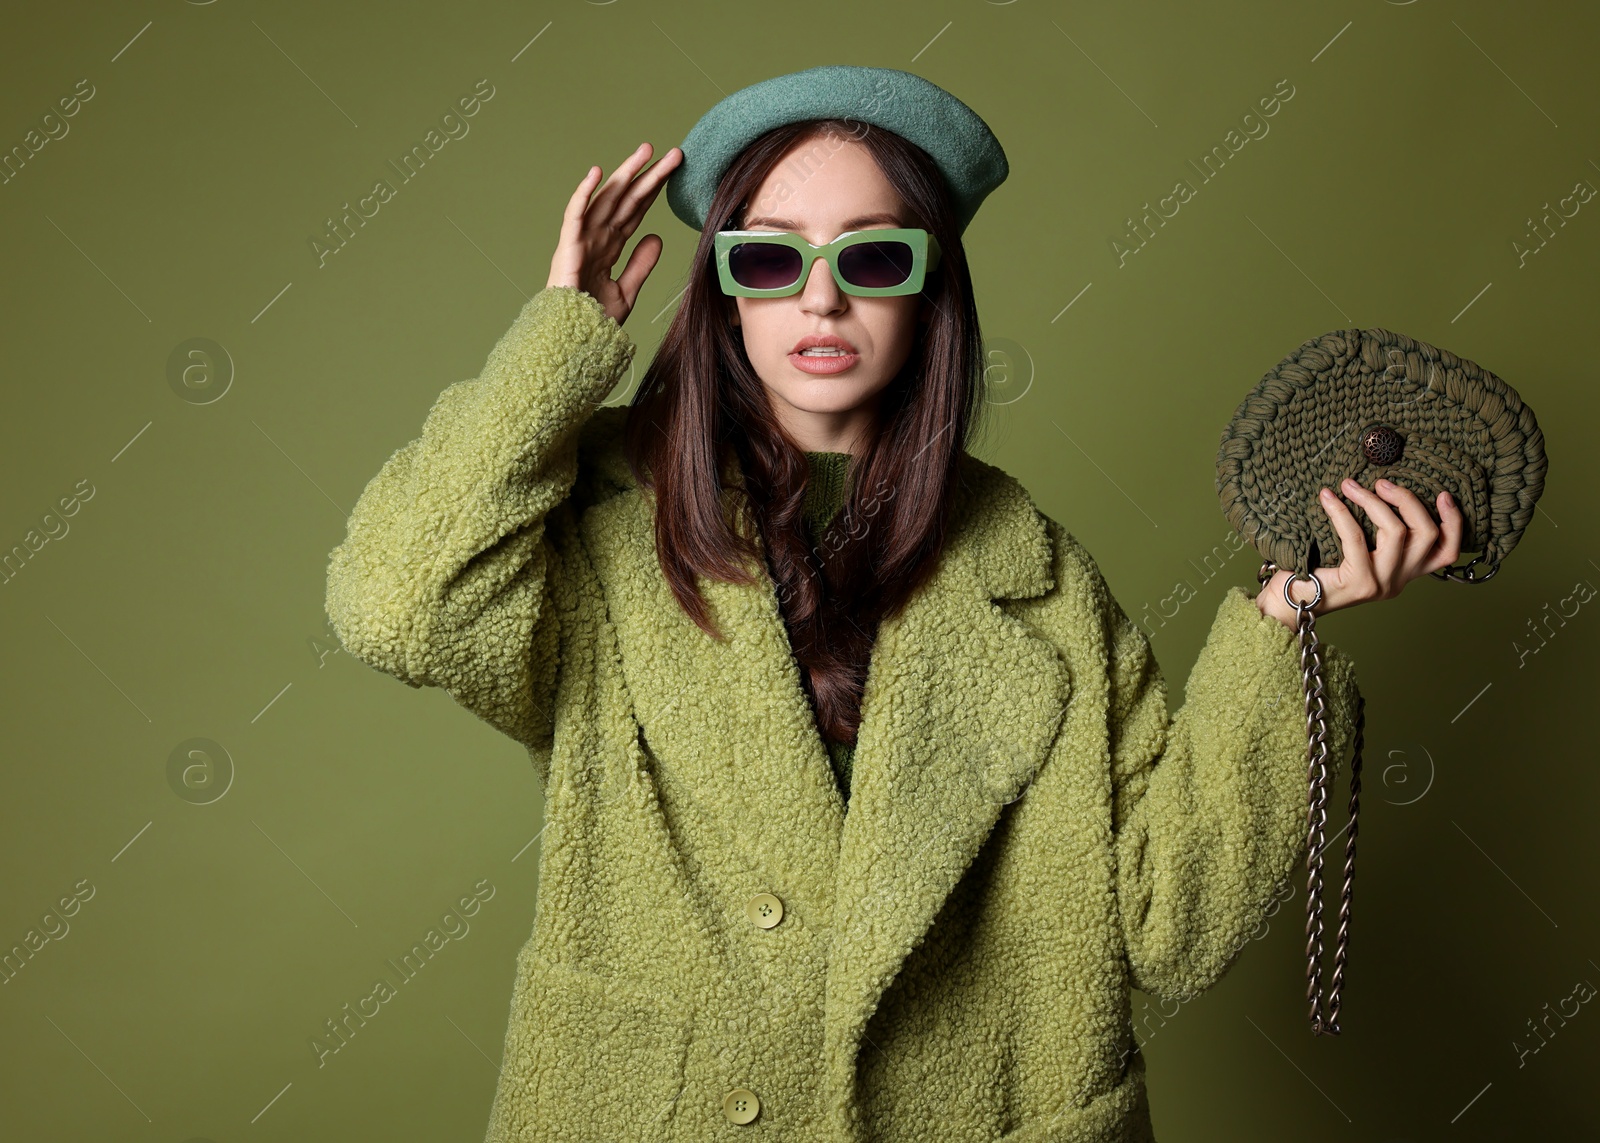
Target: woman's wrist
x,y
1270,601
1282,612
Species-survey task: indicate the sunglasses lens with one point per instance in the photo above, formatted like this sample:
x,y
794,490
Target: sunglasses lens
x,y
764,265
876,265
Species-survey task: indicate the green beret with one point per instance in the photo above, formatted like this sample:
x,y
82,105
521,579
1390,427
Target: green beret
x,y
960,143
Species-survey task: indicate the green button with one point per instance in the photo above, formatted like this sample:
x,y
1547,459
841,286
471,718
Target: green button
x,y
764,909
740,1105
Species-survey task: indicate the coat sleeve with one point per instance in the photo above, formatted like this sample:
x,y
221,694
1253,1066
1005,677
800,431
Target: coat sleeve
x,y
444,577
1209,806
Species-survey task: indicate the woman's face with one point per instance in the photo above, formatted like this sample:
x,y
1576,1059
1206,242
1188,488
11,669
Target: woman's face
x,y
840,189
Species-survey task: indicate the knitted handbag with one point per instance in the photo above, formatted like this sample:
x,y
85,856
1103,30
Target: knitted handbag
x,y
1368,404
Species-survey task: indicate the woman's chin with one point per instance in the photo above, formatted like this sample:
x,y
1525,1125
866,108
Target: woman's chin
x,y
837,394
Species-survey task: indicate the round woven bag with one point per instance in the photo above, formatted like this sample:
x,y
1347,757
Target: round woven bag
x,y
1369,404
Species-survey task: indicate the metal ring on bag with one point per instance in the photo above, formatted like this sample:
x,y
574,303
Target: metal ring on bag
x,y
1302,576
1467,572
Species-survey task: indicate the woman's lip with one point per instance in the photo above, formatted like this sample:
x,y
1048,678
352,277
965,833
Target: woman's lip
x,y
824,363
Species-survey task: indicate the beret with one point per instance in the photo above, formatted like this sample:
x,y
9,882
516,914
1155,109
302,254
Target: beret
x,y
960,143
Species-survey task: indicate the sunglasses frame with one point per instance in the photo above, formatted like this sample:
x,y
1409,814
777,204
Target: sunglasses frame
x,y
924,257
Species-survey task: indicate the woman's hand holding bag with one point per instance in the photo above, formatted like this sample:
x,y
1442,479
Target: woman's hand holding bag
x,y
1410,545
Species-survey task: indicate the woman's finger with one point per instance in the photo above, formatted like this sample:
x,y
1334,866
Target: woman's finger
x,y
566,263
1355,569
631,210
578,197
640,263
1391,541
572,217
1421,531
1451,523
603,210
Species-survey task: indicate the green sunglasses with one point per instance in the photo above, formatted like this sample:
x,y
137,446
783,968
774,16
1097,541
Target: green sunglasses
x,y
866,263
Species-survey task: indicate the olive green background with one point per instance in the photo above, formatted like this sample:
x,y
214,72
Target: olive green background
x,y
243,894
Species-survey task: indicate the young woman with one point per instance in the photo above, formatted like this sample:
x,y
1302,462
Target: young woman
x,y
863,806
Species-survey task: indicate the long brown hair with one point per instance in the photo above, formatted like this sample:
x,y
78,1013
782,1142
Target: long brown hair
x,y
701,403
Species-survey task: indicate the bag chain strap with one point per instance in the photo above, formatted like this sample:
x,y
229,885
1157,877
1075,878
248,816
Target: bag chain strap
x,y
1319,777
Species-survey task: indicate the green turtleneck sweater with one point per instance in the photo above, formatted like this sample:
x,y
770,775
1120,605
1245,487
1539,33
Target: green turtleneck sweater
x,y
825,493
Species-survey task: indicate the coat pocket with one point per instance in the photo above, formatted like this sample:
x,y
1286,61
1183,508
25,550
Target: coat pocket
x,y
588,1059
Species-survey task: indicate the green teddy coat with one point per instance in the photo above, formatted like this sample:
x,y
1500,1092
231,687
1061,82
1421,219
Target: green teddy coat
x,y
719,950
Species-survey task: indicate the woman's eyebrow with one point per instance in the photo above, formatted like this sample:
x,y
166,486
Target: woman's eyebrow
x,y
790,224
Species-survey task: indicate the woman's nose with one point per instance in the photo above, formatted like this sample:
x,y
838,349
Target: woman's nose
x,y
821,291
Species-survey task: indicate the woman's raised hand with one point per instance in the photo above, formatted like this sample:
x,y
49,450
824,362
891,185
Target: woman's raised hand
x,y
593,233
1409,545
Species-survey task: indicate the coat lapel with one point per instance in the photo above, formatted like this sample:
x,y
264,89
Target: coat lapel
x,y
960,707
728,722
